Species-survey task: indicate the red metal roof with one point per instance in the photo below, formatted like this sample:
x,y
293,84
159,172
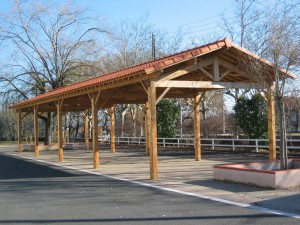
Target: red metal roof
x,y
145,68
142,69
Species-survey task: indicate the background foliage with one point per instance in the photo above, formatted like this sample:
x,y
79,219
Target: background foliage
x,y
167,116
251,115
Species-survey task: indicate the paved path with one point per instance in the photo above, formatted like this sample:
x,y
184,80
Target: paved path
x,y
33,193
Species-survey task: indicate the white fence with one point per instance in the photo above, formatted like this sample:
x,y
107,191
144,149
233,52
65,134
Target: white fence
x,y
293,144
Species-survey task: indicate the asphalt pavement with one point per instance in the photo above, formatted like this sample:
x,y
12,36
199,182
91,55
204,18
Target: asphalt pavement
x,y
36,193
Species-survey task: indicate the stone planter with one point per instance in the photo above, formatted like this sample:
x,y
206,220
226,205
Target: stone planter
x,y
263,174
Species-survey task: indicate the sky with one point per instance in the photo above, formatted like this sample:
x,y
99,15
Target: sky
x,y
195,17
162,13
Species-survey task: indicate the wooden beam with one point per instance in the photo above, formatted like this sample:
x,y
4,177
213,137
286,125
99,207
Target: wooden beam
x,y
153,132
86,129
144,87
206,84
26,114
271,125
94,96
207,73
216,68
181,72
59,131
197,133
103,103
124,94
173,75
204,63
162,95
36,131
225,73
112,129
19,131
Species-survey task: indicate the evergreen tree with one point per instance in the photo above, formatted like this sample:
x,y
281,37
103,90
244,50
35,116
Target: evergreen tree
x,y
167,116
251,116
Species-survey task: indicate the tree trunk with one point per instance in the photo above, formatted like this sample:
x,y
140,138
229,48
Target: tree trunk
x,y
77,126
236,128
67,128
47,120
282,132
122,122
134,118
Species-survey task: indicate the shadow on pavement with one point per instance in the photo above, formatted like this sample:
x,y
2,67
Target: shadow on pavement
x,y
282,203
232,187
13,168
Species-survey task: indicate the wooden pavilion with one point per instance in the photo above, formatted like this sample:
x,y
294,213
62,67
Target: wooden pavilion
x,y
186,74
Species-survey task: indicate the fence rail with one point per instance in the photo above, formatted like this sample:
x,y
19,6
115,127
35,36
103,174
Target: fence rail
x,y
257,144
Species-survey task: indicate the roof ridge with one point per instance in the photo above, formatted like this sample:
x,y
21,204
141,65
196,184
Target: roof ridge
x,y
141,64
164,57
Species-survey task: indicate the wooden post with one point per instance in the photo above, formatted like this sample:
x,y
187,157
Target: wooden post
x,y
19,131
147,128
36,131
197,128
153,132
94,100
216,68
59,131
271,125
112,129
86,129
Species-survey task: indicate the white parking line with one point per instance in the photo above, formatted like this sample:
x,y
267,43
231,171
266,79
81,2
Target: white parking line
x,y
244,205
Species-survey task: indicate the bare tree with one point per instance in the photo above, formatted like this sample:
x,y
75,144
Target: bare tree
x,y
241,28
47,43
282,48
244,17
